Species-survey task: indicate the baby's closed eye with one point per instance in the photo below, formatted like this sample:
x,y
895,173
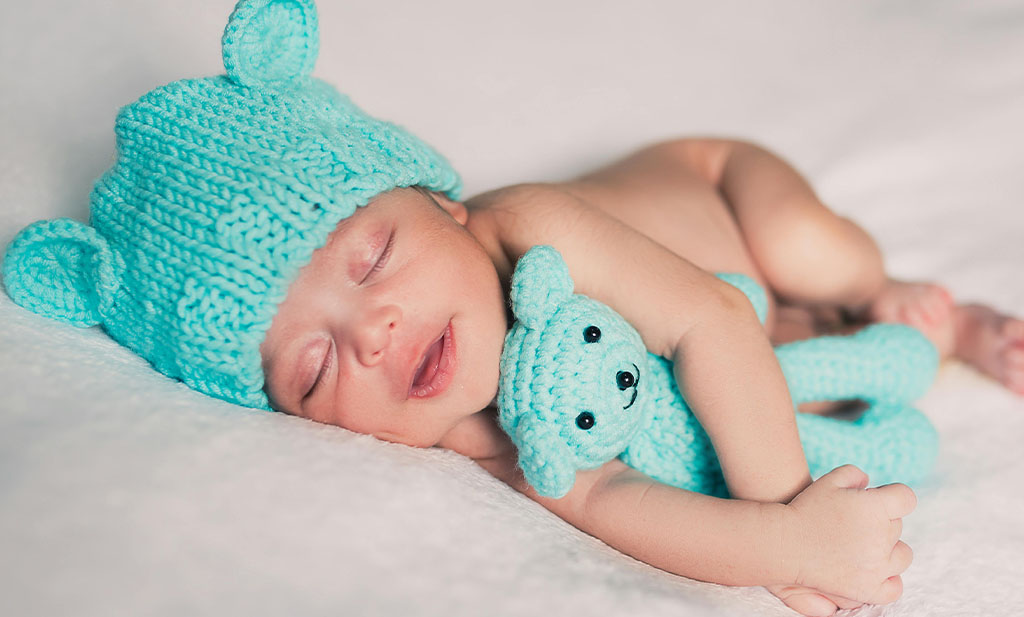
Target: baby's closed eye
x,y
382,258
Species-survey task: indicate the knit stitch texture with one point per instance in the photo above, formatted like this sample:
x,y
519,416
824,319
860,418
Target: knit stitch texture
x,y
222,189
578,388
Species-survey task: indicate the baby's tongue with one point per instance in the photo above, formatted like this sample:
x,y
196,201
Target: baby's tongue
x,y
429,367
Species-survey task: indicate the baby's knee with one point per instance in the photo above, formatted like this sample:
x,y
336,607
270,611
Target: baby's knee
x,y
823,259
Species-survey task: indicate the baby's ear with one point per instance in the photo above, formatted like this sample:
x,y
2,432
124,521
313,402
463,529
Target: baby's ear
x,y
540,283
547,463
63,270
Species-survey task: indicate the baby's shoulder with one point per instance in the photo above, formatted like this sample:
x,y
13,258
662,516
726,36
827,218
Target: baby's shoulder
x,y
523,215
519,200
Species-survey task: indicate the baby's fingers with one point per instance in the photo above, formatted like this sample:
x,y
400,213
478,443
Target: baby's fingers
x,y
890,591
900,558
898,499
846,476
895,530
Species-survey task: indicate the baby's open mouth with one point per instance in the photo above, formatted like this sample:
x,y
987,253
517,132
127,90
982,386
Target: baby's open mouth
x,y
436,368
428,367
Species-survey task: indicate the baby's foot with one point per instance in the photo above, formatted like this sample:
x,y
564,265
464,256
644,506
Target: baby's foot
x,y
810,602
991,342
925,306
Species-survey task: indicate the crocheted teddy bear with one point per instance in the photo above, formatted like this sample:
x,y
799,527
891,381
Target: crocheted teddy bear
x,y
578,388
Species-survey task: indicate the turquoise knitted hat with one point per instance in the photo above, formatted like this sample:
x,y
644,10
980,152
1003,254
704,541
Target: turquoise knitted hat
x,y
221,191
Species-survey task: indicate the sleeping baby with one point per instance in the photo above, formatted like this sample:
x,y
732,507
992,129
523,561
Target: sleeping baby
x,y
262,239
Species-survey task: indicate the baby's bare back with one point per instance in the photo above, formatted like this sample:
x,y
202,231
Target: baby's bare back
x,y
673,205
707,210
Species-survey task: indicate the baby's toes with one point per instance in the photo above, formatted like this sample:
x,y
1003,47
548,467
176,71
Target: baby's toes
x,y
1013,363
939,304
944,296
886,309
1012,330
915,314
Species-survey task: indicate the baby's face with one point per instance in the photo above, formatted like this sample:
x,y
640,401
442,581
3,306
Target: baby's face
x,y
401,315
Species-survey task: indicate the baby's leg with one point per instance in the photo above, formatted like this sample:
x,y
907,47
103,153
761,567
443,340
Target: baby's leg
x,y
814,259
810,256
991,342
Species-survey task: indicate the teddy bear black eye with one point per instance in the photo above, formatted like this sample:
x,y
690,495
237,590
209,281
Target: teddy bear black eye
x,y
624,379
592,334
585,420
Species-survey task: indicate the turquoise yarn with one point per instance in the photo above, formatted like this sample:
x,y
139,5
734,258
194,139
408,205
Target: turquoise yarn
x,y
573,398
222,189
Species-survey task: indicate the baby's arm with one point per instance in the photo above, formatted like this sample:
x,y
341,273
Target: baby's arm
x,y
835,536
724,364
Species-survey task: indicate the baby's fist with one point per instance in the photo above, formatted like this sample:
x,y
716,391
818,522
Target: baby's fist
x,y
846,537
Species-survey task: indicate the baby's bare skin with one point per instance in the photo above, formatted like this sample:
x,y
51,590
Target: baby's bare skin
x,y
640,235
687,214
674,197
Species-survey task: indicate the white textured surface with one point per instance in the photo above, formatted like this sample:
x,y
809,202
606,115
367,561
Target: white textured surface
x,y
123,493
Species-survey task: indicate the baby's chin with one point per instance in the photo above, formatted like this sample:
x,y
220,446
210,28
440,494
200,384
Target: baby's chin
x,y
476,435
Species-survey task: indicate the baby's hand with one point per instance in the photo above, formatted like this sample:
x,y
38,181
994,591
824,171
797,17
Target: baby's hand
x,y
846,540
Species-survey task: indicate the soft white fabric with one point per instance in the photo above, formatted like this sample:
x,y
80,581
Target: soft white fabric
x,y
123,493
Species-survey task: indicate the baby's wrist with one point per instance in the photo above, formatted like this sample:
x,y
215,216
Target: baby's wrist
x,y
787,541
778,486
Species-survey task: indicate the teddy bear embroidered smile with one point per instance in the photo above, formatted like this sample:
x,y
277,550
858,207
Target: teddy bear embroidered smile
x,y
578,388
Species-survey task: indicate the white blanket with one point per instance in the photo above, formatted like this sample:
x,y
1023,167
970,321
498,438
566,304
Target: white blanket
x,y
125,493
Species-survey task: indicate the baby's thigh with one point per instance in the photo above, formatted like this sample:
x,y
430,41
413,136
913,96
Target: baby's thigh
x,y
676,208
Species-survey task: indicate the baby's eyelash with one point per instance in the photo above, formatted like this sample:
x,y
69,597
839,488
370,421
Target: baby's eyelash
x,y
323,371
384,255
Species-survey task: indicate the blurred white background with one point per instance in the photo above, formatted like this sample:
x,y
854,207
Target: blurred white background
x,y
123,493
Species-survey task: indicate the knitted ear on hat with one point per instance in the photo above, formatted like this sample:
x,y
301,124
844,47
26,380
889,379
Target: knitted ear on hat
x,y
270,44
64,270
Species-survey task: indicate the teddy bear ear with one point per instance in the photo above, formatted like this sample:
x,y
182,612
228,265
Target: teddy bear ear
x,y
63,270
540,283
270,43
546,461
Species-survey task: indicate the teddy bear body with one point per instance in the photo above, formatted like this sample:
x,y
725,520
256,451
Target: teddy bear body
x,y
579,388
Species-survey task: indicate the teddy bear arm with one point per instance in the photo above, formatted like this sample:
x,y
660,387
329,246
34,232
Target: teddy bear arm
x,y
882,362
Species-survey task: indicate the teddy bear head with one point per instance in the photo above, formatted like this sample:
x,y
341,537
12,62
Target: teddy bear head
x,y
572,369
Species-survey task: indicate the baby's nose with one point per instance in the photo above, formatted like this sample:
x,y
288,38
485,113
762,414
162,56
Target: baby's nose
x,y
372,335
